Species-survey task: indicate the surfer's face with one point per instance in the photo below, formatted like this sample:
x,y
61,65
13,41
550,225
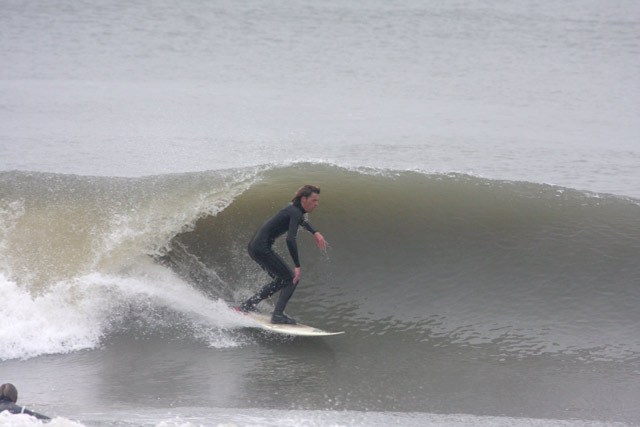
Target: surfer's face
x,y
309,203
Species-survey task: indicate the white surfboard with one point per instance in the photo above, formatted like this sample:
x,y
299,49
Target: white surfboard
x,y
263,321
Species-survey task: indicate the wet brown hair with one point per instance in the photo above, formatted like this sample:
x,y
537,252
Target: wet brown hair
x,y
305,191
8,392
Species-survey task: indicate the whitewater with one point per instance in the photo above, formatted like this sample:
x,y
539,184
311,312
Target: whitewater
x,y
480,197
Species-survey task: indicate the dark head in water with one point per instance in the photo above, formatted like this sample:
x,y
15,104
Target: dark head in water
x,y
8,393
307,197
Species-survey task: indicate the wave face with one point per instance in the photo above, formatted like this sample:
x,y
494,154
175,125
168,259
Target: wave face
x,y
528,269
531,268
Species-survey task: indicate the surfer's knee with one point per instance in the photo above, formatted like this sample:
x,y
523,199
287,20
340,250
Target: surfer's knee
x,y
284,283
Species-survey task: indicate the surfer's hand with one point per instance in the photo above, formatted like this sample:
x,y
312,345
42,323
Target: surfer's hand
x,y
297,275
320,242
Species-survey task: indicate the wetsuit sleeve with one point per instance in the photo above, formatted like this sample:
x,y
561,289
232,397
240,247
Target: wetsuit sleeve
x,y
17,409
307,226
35,414
294,222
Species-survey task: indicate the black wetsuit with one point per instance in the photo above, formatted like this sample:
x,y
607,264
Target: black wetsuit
x,y
17,409
287,220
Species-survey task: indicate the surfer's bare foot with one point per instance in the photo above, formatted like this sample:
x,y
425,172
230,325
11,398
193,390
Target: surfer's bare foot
x,y
282,319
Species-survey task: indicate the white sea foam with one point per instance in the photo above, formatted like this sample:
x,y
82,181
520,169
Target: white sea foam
x,y
59,321
23,420
80,313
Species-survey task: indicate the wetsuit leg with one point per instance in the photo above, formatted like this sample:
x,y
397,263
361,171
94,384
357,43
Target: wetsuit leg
x,y
282,276
285,294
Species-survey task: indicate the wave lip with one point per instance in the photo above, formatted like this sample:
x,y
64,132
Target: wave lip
x,y
57,227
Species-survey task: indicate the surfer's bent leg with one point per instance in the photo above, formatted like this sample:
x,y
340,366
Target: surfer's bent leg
x,y
285,294
282,279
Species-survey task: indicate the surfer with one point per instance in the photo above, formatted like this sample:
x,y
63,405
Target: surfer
x,y
8,399
260,249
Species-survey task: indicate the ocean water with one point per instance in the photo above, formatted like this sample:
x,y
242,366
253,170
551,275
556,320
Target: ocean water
x,y
480,175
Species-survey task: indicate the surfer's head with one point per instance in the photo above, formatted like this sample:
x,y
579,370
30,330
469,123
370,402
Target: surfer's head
x,y
307,197
8,393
